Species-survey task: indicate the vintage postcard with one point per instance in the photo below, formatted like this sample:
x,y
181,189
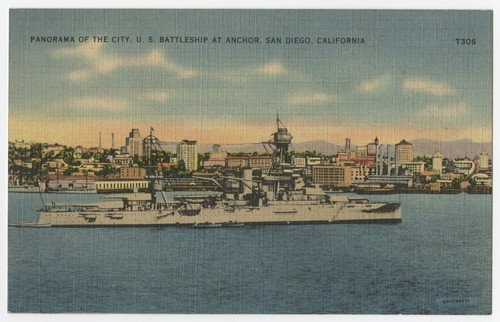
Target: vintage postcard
x,y
250,161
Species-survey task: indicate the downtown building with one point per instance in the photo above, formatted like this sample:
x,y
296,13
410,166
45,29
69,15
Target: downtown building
x,y
437,163
263,162
464,166
133,143
217,158
413,167
187,151
404,152
484,161
332,175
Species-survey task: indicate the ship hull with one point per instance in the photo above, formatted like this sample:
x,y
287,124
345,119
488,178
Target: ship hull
x,y
266,215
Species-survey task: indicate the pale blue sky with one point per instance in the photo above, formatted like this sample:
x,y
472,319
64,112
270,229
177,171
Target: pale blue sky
x,y
409,80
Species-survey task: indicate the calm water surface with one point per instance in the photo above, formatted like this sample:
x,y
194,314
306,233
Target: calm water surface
x,y
437,261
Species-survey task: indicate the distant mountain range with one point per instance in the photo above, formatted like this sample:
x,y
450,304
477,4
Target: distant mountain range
x,y
452,149
449,149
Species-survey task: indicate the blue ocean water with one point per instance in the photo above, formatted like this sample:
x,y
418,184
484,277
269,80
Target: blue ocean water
x,y
437,261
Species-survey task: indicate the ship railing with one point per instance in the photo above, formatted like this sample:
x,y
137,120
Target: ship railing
x,y
68,208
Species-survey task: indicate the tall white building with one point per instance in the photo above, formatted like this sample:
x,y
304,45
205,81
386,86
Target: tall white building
x,y
484,161
404,151
187,151
437,162
134,143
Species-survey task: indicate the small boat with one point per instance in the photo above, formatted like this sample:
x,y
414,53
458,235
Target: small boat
x,y
207,225
234,224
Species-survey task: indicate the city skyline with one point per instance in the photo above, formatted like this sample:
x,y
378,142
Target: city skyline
x,y
410,79
450,150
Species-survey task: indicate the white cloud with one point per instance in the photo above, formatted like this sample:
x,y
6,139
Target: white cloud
x,y
431,87
448,111
309,99
98,102
157,59
272,68
371,85
103,63
87,50
107,64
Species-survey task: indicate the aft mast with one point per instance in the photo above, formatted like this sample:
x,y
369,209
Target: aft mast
x,y
153,174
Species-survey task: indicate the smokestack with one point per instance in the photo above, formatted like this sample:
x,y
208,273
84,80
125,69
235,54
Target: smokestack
x,y
112,141
388,162
396,162
377,156
347,147
100,145
381,160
